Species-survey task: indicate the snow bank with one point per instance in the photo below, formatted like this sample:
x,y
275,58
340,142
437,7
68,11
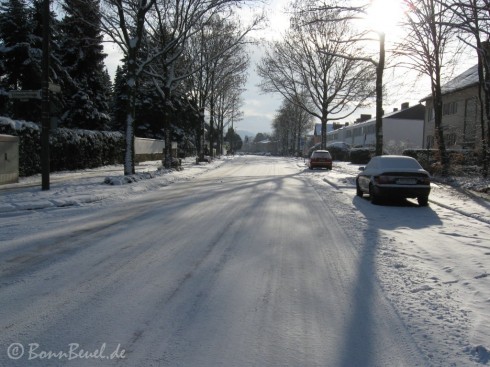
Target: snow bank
x,y
82,187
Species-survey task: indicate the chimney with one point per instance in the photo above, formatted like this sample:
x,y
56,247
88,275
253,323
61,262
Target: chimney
x,y
364,117
395,109
405,105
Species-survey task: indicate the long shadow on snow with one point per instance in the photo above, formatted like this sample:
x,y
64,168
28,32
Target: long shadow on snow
x,y
359,343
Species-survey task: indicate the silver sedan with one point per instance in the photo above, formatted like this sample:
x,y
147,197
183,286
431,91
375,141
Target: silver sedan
x,y
394,176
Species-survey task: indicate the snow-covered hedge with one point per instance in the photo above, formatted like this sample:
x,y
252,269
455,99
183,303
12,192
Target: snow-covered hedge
x,y
429,157
70,149
361,155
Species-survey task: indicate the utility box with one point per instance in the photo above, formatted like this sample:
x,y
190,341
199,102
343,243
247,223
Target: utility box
x,y
9,159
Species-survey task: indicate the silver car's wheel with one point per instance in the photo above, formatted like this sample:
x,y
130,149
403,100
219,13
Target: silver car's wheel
x,y
358,190
373,196
423,200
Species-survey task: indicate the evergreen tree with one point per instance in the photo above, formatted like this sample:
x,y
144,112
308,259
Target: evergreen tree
x,y
21,37
14,33
57,74
88,98
119,100
20,65
234,140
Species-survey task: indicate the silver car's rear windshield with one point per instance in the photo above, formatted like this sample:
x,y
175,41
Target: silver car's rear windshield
x,y
399,163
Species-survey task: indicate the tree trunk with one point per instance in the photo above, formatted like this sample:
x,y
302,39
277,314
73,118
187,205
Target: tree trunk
x,y
437,94
439,132
167,160
298,139
220,136
486,89
211,126
483,102
379,95
129,148
324,132
130,119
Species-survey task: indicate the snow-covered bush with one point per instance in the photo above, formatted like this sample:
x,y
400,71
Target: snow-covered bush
x,y
70,149
458,159
361,155
77,149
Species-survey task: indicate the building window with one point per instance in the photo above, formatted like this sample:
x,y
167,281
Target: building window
x,y
450,139
430,114
450,108
429,142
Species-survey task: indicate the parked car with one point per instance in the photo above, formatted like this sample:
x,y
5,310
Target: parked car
x,y
395,177
320,159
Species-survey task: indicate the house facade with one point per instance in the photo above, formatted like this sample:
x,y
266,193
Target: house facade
x,y
461,108
402,129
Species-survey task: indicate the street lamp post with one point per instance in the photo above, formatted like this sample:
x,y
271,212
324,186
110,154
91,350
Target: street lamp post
x,y
203,133
45,99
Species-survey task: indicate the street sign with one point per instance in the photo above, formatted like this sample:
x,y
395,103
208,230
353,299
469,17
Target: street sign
x,y
25,94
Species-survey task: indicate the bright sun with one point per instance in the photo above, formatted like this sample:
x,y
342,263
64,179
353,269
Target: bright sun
x,y
384,15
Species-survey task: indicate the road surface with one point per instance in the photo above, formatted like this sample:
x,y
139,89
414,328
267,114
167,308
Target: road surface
x,y
245,265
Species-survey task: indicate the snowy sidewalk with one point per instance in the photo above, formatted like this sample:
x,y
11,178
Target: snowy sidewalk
x,y
80,188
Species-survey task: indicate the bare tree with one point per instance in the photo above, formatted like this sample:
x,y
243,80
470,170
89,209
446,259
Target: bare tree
x,y
472,18
282,131
289,125
225,74
224,39
425,49
355,12
218,54
304,63
151,30
228,99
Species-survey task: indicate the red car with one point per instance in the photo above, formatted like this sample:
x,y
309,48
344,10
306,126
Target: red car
x,y
320,159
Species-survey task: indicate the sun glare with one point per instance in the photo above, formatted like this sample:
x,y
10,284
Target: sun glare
x,y
385,15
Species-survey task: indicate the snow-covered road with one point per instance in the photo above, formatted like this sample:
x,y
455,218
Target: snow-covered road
x,y
256,263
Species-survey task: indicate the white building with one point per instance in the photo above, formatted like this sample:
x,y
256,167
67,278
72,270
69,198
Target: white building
x,y
460,113
402,129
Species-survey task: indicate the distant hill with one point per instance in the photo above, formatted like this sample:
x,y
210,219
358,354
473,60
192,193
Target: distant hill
x,y
244,133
